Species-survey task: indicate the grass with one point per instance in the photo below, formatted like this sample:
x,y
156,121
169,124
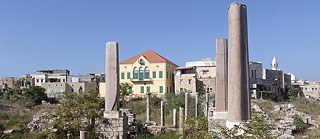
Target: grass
x,y
307,107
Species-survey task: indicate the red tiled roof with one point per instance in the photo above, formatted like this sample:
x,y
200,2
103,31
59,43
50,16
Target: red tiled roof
x,y
150,55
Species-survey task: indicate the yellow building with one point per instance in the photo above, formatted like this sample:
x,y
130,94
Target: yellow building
x,y
148,72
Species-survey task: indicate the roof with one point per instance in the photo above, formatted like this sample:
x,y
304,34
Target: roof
x,y
183,68
150,55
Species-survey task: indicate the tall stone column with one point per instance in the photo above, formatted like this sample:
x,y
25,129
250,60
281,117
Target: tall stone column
x,y
174,118
186,98
221,101
181,119
238,74
196,104
148,107
162,122
112,93
116,124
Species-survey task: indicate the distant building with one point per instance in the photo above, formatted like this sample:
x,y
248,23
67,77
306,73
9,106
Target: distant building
x,y
268,83
58,81
197,76
55,89
147,72
7,82
311,90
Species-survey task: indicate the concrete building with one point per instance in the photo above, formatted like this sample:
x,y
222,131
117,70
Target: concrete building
x,y
55,89
47,76
197,76
311,90
147,72
7,82
268,83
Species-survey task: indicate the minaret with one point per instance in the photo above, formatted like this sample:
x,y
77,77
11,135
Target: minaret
x,y
274,64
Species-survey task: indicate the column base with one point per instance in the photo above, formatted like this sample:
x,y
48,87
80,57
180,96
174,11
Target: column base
x,y
111,114
220,115
230,124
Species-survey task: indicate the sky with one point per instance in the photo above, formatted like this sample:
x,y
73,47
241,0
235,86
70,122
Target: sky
x,y
71,34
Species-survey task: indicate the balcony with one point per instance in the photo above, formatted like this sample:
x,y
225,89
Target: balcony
x,y
141,80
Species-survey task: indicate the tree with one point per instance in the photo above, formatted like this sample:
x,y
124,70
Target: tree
x,y
292,93
124,91
35,93
77,112
300,125
197,128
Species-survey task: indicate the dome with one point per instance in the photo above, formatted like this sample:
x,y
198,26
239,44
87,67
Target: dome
x,y
293,78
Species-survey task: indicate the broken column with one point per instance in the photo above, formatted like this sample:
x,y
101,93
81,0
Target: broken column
x,y
207,104
238,73
116,123
196,104
162,121
221,101
186,95
148,107
181,119
83,134
174,118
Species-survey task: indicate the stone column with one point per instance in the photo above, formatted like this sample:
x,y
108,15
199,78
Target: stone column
x,y
115,124
221,101
83,134
112,93
181,119
196,105
148,107
238,73
174,118
207,104
162,122
186,95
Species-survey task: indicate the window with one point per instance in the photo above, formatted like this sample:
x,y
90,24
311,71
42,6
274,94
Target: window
x,y
161,89
189,81
306,88
160,74
63,80
128,75
141,89
154,74
167,89
148,89
141,71
181,81
146,73
37,80
72,90
167,75
130,89
42,80
122,75
135,73
49,90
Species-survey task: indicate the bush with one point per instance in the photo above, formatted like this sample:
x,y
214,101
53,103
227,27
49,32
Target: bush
x,y
300,125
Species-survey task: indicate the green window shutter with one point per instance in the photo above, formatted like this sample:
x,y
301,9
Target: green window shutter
x,y
141,89
148,89
122,75
160,74
128,75
161,89
154,74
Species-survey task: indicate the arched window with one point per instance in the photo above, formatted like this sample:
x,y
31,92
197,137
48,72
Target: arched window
x,y
135,73
146,73
141,71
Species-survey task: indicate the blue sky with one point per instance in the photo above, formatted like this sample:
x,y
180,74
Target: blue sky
x,y
71,34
